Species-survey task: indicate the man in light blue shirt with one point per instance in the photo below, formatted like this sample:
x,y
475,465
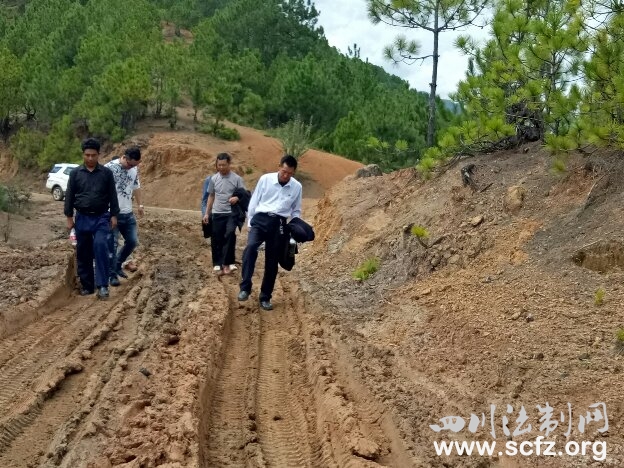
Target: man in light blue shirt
x,y
276,198
207,233
205,194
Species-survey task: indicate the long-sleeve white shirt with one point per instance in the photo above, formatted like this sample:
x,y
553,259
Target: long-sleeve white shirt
x,y
270,196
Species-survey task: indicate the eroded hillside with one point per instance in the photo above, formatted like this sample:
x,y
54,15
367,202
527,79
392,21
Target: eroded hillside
x,y
496,305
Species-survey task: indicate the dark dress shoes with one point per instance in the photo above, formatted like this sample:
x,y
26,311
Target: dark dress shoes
x,y
266,305
102,293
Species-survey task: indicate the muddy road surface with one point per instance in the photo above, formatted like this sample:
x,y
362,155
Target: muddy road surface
x,y
173,370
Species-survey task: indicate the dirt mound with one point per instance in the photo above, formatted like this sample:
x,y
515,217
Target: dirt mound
x,y
175,164
489,305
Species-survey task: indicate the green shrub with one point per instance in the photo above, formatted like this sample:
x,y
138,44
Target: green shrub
x,y
220,131
559,166
295,137
599,296
426,166
366,269
226,133
14,199
420,232
4,198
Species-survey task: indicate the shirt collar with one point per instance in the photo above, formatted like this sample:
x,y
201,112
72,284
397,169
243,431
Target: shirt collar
x,y
97,167
277,182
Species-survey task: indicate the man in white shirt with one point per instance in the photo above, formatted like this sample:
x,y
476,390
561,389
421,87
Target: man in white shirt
x,y
127,183
219,213
276,198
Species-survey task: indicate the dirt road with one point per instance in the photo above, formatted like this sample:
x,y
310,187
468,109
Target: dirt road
x,y
174,370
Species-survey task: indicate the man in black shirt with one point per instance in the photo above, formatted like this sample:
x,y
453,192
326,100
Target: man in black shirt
x,y
91,192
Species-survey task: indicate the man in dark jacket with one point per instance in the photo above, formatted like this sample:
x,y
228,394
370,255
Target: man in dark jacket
x,y
91,192
240,209
297,230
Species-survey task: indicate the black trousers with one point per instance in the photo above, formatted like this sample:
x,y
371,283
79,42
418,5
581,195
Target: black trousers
x,y
223,243
270,230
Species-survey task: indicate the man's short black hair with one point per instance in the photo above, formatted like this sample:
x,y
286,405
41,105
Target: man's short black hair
x,y
289,160
224,157
90,143
134,153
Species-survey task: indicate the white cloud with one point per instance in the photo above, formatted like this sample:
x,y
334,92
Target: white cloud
x,y
346,22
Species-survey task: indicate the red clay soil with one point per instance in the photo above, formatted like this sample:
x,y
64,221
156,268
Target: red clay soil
x,y
176,164
498,304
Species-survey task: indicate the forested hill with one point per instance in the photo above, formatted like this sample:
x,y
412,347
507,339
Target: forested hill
x,y
96,67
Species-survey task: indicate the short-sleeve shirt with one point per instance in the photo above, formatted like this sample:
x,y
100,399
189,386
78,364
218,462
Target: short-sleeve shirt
x,y
223,187
126,182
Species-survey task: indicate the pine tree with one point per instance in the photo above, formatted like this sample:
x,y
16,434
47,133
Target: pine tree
x,y
602,110
521,85
435,16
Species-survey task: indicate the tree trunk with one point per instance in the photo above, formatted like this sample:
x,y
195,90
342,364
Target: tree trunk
x,y
431,128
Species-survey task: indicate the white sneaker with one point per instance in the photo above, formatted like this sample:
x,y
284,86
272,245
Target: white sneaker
x,y
217,268
233,267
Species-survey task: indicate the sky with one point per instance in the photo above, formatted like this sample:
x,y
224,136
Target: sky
x,y
346,22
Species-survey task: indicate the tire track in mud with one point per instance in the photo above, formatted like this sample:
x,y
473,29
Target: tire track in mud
x,y
153,310
61,374
277,400
284,404
257,412
230,423
274,389
52,360
96,342
33,367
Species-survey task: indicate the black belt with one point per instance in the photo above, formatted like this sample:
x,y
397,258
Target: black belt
x,y
91,213
273,215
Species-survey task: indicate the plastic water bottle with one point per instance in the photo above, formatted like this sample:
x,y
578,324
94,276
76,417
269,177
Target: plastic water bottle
x,y
72,237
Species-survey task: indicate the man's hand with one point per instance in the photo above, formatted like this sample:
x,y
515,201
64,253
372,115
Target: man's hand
x,y
113,222
206,219
233,200
141,210
70,223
